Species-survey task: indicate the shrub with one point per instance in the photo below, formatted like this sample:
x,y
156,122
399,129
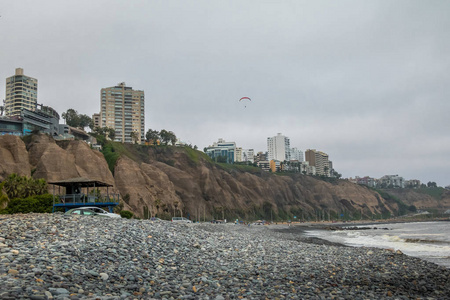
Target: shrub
x,y
32,204
3,201
126,214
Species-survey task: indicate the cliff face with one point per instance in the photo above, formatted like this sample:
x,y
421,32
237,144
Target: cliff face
x,y
421,200
44,158
175,182
13,157
171,180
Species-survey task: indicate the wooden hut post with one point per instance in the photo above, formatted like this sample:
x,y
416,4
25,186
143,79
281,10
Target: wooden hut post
x,y
53,210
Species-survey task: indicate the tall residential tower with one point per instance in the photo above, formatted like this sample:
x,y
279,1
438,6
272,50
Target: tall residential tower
x,y
21,92
278,148
319,160
122,108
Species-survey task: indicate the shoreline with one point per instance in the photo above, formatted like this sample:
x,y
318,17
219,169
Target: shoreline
x,y
422,248
45,256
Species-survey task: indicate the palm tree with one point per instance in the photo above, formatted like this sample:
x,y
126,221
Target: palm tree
x,y
41,187
12,186
17,186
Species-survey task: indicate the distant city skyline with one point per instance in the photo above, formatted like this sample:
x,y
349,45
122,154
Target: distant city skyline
x,y
118,101
364,81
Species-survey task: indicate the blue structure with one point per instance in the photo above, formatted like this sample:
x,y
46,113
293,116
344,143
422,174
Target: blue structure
x,y
225,150
81,192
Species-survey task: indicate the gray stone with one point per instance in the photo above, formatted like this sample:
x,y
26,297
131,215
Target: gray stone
x,y
48,295
58,291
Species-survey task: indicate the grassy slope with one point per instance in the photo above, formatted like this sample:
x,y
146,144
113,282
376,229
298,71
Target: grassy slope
x,y
140,153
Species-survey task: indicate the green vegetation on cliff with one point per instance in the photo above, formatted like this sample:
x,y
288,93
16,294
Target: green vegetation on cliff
x,y
143,153
239,167
435,192
112,151
403,208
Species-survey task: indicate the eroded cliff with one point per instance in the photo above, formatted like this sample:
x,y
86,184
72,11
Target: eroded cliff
x,y
168,180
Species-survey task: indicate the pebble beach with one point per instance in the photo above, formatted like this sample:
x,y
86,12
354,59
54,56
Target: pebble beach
x,y
50,256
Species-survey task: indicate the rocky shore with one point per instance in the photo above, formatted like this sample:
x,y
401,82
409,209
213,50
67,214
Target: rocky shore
x,y
44,256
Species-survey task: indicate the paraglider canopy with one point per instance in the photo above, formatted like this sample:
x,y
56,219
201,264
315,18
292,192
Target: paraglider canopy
x,y
244,99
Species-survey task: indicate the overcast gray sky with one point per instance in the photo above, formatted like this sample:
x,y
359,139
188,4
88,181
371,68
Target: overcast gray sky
x,y
367,82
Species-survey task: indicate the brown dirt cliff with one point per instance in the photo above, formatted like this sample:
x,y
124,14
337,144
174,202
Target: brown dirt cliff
x,y
168,180
43,158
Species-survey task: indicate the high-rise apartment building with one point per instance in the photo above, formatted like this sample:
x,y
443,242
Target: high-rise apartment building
x,y
96,120
296,154
238,154
248,155
21,93
278,148
122,108
319,160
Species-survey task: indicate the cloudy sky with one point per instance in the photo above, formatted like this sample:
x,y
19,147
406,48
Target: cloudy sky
x,y
367,82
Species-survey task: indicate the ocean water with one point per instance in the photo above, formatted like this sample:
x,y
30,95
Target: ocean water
x,y
426,240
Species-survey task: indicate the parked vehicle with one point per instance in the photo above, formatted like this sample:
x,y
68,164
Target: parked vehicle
x,y
90,211
103,212
181,220
80,212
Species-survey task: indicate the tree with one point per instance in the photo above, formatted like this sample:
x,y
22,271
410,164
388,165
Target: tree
x,y
84,121
412,208
164,134
17,186
152,136
91,125
71,117
167,136
336,174
74,119
431,184
111,133
172,138
134,136
325,170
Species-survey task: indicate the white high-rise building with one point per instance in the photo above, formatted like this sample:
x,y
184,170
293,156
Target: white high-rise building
x,y
248,155
296,154
278,148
